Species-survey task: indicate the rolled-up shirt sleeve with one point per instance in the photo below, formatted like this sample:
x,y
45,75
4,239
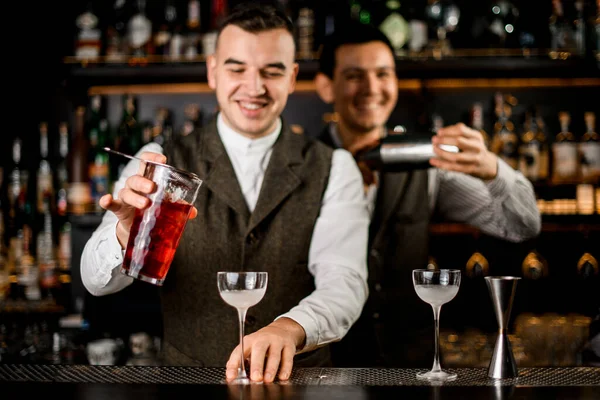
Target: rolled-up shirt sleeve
x,y
337,258
102,255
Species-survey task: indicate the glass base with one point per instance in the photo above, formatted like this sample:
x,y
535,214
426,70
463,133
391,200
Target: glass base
x,y
436,376
154,281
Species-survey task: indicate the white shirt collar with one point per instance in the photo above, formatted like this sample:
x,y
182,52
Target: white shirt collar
x,y
233,140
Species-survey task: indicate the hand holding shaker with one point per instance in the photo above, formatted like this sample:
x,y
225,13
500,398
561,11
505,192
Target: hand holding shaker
x,y
156,230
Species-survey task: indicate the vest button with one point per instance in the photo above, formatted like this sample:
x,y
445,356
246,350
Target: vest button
x,y
252,238
250,321
378,287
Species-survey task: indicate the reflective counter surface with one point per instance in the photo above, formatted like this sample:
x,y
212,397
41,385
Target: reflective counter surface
x,y
139,382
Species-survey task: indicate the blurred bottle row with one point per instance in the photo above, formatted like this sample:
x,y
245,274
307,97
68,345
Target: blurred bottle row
x,y
544,157
185,29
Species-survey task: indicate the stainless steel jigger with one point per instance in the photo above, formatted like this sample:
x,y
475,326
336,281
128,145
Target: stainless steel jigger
x,y
502,290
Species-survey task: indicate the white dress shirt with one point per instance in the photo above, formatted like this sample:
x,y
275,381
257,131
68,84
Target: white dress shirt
x,y
337,254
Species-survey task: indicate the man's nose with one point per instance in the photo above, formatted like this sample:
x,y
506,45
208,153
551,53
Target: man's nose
x,y
370,83
255,84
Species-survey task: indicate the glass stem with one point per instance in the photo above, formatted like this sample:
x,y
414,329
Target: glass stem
x,y
242,318
436,319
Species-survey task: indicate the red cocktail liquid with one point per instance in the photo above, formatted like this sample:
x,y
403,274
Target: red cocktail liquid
x,y
153,239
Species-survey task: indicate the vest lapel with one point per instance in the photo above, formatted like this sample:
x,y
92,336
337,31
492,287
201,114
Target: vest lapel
x,y
220,176
390,190
280,180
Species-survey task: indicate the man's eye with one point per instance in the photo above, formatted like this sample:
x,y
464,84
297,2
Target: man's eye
x,y
236,71
272,74
383,74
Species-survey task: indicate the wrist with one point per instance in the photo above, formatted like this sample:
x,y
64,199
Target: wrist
x,y
122,235
295,330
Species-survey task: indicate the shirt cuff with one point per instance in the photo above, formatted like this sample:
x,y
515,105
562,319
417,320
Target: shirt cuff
x,y
111,257
310,326
505,179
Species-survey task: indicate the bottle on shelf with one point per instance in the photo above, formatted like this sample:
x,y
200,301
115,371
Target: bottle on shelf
x,y
164,33
562,35
589,151
98,163
88,42
534,266
193,30
46,257
476,117
306,31
505,141
565,162
116,32
62,173
78,195
587,266
533,149
139,32
45,184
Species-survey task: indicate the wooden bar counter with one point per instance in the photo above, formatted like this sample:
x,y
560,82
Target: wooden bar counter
x,y
136,382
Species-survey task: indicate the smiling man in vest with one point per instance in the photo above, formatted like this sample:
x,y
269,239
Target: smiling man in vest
x,y
271,201
357,75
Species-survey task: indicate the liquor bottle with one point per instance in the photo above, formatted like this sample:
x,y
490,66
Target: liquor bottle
x,y
477,265
218,12
562,37
477,122
395,26
193,30
98,163
589,151
139,30
443,20
78,194
306,31
579,31
47,264
193,119
587,266
533,153
45,186
116,32
89,38
534,266
162,129
564,153
62,174
597,29
505,140
163,35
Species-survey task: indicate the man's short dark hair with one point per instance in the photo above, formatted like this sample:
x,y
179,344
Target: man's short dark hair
x,y
255,17
348,32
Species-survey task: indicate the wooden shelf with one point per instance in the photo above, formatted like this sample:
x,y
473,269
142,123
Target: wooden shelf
x,y
454,228
30,307
475,71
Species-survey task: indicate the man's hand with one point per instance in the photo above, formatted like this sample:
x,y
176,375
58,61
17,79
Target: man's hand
x,y
474,158
270,349
132,197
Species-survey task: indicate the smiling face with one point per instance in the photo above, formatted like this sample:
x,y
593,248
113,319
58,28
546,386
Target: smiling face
x,y
252,75
365,87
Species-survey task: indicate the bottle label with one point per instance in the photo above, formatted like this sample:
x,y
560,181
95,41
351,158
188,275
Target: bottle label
x,y
564,157
530,161
590,160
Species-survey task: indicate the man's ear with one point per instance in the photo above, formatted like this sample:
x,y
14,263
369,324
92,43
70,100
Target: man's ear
x,y
211,63
324,87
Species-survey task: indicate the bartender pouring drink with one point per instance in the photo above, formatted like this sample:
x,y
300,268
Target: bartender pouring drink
x,y
271,201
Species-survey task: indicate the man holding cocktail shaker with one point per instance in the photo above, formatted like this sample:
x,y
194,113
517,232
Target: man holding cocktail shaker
x,y
358,77
270,200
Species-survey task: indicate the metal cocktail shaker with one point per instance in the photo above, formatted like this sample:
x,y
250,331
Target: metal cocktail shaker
x,y
406,151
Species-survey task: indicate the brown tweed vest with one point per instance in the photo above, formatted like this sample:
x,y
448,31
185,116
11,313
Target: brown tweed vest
x,y
199,328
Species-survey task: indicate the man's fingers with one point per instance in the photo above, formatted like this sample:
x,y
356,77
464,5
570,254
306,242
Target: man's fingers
x,y
140,184
272,365
287,362
233,364
193,213
150,156
133,199
257,360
